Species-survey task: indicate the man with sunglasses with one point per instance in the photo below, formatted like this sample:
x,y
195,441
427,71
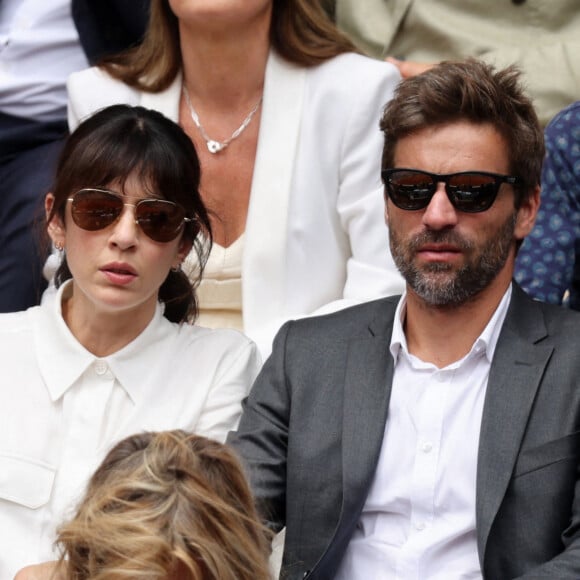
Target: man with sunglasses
x,y
433,436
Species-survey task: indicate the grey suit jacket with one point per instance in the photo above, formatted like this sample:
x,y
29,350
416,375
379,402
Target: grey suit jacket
x,y
312,429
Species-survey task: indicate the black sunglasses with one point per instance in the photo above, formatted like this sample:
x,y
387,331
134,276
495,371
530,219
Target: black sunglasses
x,y
95,209
468,191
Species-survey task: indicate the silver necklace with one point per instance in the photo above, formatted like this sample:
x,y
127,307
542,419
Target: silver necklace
x,y
212,145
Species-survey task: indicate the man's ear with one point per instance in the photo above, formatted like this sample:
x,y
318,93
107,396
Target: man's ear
x,y
527,212
54,223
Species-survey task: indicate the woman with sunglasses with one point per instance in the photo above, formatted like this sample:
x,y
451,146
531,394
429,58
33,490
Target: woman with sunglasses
x,y
284,115
110,354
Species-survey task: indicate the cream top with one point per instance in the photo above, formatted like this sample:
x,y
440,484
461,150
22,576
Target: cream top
x,y
220,291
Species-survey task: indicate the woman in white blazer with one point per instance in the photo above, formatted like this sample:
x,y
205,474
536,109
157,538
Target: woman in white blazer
x,y
111,355
284,116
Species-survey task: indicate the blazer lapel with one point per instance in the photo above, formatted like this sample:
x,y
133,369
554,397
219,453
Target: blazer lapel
x,y
367,389
264,260
266,227
514,378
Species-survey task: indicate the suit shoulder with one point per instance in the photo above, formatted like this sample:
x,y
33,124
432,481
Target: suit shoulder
x,y
358,64
93,89
93,77
352,71
561,321
96,85
540,321
347,323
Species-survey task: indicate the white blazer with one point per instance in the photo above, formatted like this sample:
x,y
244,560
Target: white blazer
x,y
315,238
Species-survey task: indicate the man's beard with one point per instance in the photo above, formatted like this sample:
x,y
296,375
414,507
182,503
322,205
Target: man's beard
x,y
431,283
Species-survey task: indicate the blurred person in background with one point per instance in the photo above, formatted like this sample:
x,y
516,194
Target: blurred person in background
x,y
548,264
541,38
41,43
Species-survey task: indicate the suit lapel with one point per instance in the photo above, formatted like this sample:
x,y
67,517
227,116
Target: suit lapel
x,y
514,378
264,261
266,227
367,388
368,381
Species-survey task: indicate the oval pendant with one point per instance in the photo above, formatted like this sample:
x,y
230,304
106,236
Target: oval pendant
x,y
214,146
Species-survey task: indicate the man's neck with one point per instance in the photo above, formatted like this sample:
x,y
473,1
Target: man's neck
x,y
443,335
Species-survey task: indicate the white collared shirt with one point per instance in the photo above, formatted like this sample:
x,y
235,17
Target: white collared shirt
x,y
39,49
62,408
418,522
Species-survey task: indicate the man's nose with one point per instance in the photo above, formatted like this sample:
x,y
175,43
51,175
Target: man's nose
x,y
440,213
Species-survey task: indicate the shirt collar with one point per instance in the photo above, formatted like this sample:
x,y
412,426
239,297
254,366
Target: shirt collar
x,y
398,338
487,340
62,359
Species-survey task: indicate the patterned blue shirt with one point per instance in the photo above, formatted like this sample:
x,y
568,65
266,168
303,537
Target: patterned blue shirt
x,y
545,263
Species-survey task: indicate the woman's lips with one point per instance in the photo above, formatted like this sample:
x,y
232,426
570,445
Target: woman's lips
x,y
117,273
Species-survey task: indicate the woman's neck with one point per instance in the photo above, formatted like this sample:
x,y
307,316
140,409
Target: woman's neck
x,y
103,332
224,72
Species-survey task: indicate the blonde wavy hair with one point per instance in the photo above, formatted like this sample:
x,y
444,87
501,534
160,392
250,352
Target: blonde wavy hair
x,y
167,505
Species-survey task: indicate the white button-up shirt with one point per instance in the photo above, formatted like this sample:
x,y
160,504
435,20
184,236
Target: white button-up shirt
x,y
39,48
62,409
418,522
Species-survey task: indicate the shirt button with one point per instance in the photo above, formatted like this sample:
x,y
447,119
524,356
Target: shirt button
x,y
426,447
101,367
420,526
518,2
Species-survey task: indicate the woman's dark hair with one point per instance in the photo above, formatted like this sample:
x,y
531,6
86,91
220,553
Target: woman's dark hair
x,y
122,141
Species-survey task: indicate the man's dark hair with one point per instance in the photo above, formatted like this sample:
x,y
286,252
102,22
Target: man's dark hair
x,y
472,91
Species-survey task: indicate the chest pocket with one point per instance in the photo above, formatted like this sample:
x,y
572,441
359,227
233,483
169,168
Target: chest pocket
x,y
25,481
562,449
